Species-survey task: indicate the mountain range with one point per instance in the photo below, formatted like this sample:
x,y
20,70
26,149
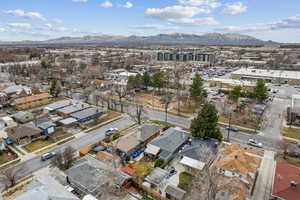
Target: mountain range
x,y
160,39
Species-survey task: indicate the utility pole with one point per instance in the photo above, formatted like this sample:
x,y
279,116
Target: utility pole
x,y
229,127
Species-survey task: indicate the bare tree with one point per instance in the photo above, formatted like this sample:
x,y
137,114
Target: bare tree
x,y
9,177
64,158
138,114
166,100
208,183
284,146
122,93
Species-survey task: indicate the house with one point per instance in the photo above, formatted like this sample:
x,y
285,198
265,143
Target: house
x,y
138,139
286,182
8,121
59,104
16,90
109,159
174,193
46,188
23,117
156,177
88,173
65,112
194,154
167,144
47,127
31,101
87,114
240,163
23,133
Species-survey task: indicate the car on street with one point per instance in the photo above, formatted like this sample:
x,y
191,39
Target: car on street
x,y
111,131
254,143
298,144
232,128
47,156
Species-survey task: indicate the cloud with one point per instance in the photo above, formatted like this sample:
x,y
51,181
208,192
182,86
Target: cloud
x,y
127,5
153,27
58,21
22,13
106,4
288,23
195,21
235,8
182,15
49,26
2,30
175,12
206,3
20,25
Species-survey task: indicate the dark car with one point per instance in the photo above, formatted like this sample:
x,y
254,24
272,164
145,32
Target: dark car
x,y
232,128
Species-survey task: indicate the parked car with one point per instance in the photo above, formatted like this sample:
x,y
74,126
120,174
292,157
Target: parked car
x,y
298,144
110,131
254,143
232,128
47,156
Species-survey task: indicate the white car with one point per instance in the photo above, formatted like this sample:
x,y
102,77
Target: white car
x,y
254,143
110,131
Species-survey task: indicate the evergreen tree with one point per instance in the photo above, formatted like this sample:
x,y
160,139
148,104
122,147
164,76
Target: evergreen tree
x,y
146,79
159,80
55,88
205,125
235,94
196,89
260,91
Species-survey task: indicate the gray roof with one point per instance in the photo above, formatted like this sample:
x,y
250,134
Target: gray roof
x,y
175,192
145,131
73,108
194,149
23,116
87,173
86,113
156,176
169,141
60,104
46,188
68,121
16,89
46,125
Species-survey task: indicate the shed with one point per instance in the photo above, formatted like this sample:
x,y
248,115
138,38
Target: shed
x,y
87,114
47,127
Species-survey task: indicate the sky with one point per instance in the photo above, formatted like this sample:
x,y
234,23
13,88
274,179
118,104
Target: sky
x,y
275,20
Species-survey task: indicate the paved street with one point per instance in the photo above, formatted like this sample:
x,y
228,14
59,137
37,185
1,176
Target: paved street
x,y
264,181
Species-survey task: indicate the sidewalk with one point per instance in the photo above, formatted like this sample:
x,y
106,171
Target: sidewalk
x,y
264,181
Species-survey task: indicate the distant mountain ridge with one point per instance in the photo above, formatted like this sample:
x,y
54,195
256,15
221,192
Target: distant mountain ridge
x,y
171,39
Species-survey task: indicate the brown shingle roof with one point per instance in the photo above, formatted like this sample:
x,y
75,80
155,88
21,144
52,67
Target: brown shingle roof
x,y
31,98
21,131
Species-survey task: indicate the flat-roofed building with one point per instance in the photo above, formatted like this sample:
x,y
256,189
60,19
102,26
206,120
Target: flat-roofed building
x,y
270,76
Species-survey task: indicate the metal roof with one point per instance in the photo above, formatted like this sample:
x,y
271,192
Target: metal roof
x,y
86,113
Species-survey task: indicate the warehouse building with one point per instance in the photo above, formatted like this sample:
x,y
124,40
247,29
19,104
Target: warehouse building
x,y
270,76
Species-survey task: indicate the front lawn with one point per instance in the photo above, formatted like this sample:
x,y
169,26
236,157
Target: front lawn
x,y
165,124
6,156
38,144
185,181
291,132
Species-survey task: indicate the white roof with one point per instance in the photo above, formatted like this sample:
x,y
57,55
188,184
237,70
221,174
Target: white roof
x,y
268,73
234,81
68,121
89,197
151,149
196,164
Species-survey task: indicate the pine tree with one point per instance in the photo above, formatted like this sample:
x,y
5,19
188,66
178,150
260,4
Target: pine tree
x,y
260,91
205,125
196,89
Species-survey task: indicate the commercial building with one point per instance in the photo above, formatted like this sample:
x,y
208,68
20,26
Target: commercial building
x,y
270,76
231,83
185,57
